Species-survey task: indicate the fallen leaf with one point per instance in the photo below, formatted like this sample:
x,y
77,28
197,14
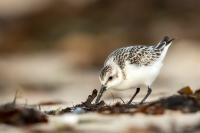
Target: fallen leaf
x,y
185,91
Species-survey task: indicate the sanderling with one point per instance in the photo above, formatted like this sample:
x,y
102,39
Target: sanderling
x,y
133,67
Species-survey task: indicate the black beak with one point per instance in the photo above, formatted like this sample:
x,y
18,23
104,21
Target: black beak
x,y
102,90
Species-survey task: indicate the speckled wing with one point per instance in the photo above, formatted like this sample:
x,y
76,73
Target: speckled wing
x,y
143,55
138,55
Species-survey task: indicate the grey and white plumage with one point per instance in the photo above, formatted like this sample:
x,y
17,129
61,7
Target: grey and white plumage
x,y
133,66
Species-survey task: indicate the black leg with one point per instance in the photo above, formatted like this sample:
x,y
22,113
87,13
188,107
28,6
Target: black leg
x,y
137,91
147,95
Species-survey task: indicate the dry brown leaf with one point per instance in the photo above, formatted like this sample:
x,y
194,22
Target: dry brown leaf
x,y
185,91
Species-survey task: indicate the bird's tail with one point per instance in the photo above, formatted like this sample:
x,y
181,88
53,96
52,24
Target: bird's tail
x,y
164,42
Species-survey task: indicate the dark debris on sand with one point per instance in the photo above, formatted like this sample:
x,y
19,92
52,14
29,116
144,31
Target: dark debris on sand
x,y
84,107
17,115
186,101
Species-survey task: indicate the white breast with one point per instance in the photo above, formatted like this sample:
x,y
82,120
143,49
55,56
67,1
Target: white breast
x,y
140,76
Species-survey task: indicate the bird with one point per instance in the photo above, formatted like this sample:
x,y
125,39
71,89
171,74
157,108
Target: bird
x,y
133,67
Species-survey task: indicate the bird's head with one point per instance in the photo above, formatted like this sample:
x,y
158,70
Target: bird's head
x,y
110,77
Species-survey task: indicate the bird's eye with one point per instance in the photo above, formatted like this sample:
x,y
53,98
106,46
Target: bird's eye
x,y
110,78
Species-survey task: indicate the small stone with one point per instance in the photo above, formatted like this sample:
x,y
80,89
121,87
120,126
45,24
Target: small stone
x,y
79,110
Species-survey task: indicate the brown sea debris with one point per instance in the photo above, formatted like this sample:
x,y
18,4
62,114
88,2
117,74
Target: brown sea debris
x,y
84,107
18,115
186,101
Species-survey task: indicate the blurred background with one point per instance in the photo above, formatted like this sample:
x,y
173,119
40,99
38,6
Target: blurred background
x,y
53,49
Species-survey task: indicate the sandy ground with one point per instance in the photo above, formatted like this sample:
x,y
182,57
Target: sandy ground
x,y
50,77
